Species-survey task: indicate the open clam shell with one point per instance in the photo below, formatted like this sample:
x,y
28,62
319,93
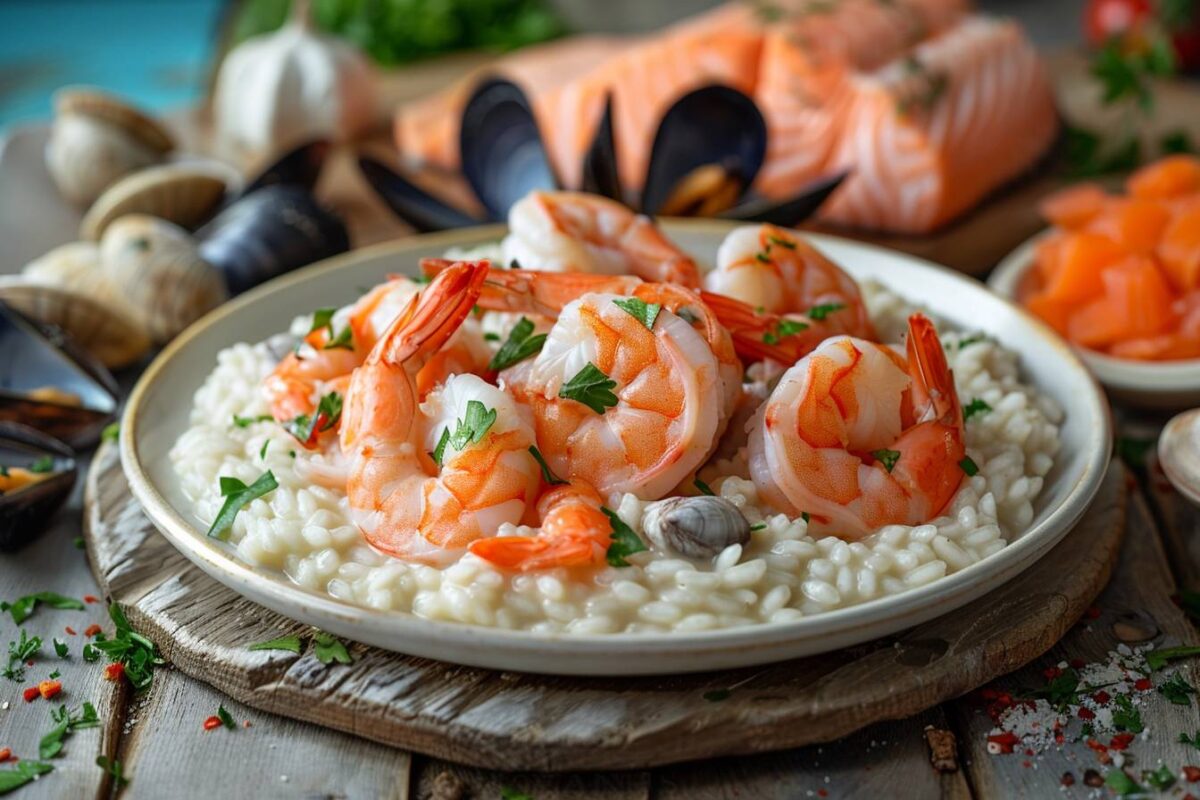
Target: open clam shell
x,y
269,232
49,383
713,127
411,203
185,194
37,473
503,155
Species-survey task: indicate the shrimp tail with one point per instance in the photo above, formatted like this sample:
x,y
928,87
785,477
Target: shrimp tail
x,y
431,316
574,533
934,395
752,331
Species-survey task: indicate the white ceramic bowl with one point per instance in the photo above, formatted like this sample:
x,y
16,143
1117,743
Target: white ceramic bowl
x,y
157,413
1147,384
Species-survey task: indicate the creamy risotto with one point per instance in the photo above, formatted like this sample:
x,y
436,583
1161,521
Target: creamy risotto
x,y
781,574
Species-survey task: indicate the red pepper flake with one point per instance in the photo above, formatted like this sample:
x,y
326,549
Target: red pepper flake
x,y
114,671
1092,613
212,722
1121,741
1077,663
48,689
1102,697
1101,751
1026,764
31,693
1029,751
988,694
1191,774
5,754
1188,796
69,630
92,630
1068,779
822,793
1143,684
29,663
1052,672
91,598
1002,742
246,724
1086,713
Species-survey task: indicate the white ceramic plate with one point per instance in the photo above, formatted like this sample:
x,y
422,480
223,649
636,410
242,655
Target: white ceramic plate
x,y
158,409
1148,384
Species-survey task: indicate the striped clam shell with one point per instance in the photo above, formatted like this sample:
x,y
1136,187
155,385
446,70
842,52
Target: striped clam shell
x,y
184,194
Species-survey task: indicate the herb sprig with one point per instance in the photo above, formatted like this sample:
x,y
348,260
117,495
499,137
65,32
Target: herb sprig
x,y
237,496
520,345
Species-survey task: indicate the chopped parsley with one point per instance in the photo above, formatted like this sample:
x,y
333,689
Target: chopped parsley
x,y
20,652
1157,659
549,477
60,648
90,653
237,496
624,541
886,457
1133,451
704,487
475,423
1177,690
819,313
323,318
491,337
246,422
758,526
975,407
779,240
262,451
1121,783
520,345
640,310
968,466
113,767
1162,778
763,256
226,718
974,338
1194,741
784,328
291,643
343,341
128,647
307,426
22,608
1125,716
21,774
591,387
79,543
111,432
804,515
65,724
42,465
328,648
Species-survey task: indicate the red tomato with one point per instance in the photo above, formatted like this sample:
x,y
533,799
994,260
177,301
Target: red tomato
x,y
1105,19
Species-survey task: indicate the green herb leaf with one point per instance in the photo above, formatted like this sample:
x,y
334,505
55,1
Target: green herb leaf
x,y
128,647
1125,716
343,341
758,526
323,318
42,465
113,767
1177,690
624,541
1177,142
22,608
822,311
328,648
262,451
327,414
1087,155
1062,691
1194,741
1162,778
969,466
237,496
246,422
975,407
549,477
519,346
474,424
1121,783
780,241
591,387
640,310
90,653
804,515
226,718
21,774
66,724
886,457
60,648
1157,659
79,543
291,643
1133,451
439,452
704,487
491,337
20,652
974,338
111,432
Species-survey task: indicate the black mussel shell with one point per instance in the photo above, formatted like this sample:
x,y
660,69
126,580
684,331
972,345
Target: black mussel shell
x,y
790,211
503,156
411,203
269,232
710,125
600,174
49,383
300,166
25,511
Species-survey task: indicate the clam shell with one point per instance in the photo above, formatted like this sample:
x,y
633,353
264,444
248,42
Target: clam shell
x,y
106,333
88,102
695,527
25,512
77,267
184,194
85,155
157,267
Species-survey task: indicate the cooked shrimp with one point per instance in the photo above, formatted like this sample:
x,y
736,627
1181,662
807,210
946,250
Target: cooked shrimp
x,y
619,404
406,502
574,532
857,437
299,379
774,269
575,232
758,334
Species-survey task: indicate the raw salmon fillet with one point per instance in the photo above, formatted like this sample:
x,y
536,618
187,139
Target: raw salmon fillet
x,y
932,132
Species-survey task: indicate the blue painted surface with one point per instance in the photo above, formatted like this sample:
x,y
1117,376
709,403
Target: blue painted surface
x,y
155,52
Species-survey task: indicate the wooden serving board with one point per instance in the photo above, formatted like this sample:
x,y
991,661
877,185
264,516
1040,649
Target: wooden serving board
x,y
516,721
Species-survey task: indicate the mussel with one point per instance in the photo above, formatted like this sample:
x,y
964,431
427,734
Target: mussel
x,y
37,473
49,383
300,166
269,232
411,203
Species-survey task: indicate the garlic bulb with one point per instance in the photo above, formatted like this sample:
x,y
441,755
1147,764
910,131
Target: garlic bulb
x,y
294,84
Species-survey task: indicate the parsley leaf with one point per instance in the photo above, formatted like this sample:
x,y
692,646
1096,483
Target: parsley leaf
x,y
779,240
246,422
1125,716
1162,778
886,457
1194,741
327,648
21,774
591,387
226,718
111,432
474,424
976,406
22,608
784,328
1157,659
1121,783
969,466
128,647
42,465
343,341
519,346
18,653
974,338
291,643
60,648
704,487
237,496
307,426
65,725
90,653
819,313
1179,141
1133,451
323,318
549,477
1061,691
113,767
439,452
640,310
1177,690
624,541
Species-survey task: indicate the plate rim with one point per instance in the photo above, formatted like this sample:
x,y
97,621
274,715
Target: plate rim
x,y
924,602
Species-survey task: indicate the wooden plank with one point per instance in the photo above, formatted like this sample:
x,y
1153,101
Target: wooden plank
x,y
1140,594
513,721
442,780
889,759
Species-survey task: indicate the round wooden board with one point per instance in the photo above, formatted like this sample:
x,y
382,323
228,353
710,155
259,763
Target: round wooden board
x,y
513,721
